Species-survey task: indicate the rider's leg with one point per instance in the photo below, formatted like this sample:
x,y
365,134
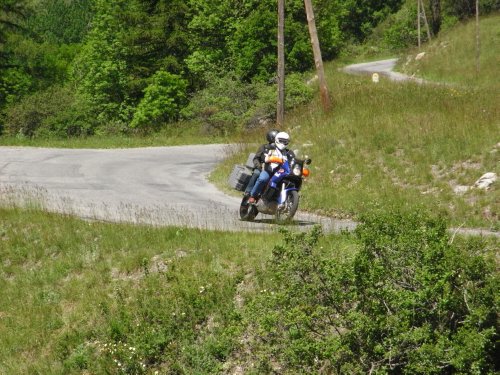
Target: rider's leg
x,y
260,183
253,179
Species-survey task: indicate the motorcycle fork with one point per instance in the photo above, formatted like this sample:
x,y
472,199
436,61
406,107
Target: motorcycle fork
x,y
283,193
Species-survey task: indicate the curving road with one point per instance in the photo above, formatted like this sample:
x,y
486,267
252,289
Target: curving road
x,y
158,186
382,67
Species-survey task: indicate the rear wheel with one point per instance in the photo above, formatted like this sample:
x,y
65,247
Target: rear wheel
x,y
248,211
289,208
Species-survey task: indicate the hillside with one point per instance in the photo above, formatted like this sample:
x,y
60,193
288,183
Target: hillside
x,y
407,145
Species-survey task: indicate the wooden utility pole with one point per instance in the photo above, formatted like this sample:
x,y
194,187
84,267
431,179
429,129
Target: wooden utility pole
x,y
318,60
418,24
425,21
478,41
280,112
421,14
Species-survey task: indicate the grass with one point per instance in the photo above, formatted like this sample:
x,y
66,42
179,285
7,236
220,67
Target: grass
x,y
89,297
175,135
403,145
74,293
83,297
452,56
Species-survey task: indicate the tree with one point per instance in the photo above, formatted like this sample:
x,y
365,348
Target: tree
x,y
100,69
163,99
13,13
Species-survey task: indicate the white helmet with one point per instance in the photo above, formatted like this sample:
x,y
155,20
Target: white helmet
x,y
281,140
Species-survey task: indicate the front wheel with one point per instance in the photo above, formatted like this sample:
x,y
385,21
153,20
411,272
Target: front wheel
x,y
289,207
248,212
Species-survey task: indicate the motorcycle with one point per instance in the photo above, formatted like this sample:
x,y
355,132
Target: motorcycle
x,y
281,195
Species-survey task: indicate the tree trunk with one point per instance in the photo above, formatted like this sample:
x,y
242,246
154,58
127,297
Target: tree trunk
x,y
478,40
419,32
425,20
280,112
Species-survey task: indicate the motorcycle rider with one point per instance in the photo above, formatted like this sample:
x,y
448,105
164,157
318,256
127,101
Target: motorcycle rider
x,y
259,159
280,150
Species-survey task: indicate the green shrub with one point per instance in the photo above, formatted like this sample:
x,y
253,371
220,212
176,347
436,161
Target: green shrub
x,y
400,29
14,83
410,301
227,103
163,99
297,91
54,112
222,105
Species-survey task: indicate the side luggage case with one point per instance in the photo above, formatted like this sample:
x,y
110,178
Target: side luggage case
x,y
240,176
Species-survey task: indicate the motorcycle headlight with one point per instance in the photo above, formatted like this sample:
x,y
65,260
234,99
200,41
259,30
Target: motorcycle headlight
x,y
297,170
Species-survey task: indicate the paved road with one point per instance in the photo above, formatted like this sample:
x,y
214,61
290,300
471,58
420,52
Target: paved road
x,y
159,186
382,67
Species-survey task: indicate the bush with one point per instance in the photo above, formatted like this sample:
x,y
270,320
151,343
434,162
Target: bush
x,y
14,83
227,103
47,113
409,301
400,29
163,99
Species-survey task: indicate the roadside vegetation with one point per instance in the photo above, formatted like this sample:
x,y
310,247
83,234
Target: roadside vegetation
x,y
400,295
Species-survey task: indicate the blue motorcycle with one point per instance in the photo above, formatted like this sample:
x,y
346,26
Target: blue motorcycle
x,y
281,195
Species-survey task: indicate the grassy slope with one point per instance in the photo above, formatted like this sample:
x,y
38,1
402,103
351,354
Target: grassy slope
x,y
391,144
86,297
452,56
68,287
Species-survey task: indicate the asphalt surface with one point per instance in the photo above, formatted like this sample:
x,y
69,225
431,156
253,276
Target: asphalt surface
x,y
382,67
157,186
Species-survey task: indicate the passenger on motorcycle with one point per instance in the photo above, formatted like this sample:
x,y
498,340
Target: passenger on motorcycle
x,y
280,150
259,159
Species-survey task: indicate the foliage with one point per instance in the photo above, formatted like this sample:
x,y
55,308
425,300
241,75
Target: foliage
x,y
463,9
408,302
34,53
243,37
53,112
163,99
14,83
227,102
221,103
14,13
363,15
399,29
111,50
60,22
155,38
100,68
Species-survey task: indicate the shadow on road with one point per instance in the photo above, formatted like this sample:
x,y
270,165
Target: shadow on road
x,y
293,223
